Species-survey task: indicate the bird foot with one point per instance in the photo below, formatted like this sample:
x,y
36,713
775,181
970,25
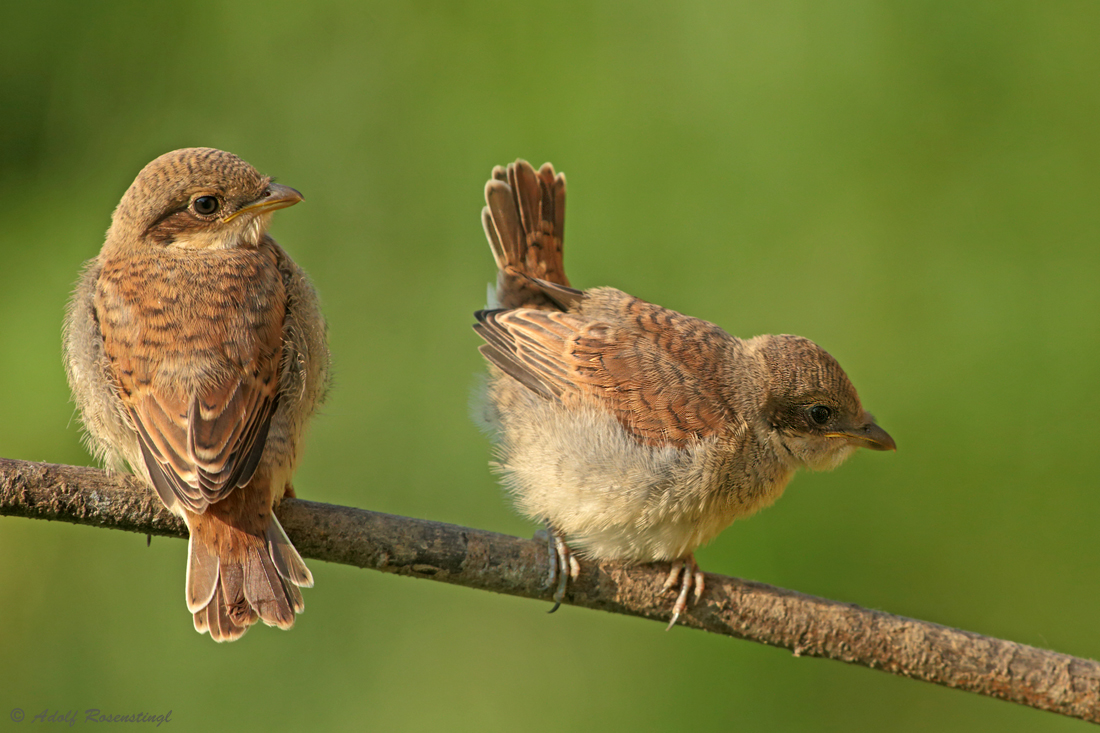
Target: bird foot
x,y
689,577
563,566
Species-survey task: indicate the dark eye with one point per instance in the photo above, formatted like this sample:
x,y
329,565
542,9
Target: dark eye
x,y
205,205
820,414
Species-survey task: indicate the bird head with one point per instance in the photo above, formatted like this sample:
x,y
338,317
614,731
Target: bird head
x,y
198,198
812,412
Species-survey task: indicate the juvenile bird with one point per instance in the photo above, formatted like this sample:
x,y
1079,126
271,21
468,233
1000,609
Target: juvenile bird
x,y
634,432
196,353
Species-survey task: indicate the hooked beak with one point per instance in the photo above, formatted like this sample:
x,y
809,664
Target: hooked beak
x,y
277,196
869,435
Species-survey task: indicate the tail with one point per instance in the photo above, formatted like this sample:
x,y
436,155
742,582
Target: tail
x,y
236,577
525,222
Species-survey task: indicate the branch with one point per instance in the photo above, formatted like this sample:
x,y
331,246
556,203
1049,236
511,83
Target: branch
x,y
806,625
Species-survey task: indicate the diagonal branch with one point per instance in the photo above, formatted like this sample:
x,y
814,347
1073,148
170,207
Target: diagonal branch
x,y
806,625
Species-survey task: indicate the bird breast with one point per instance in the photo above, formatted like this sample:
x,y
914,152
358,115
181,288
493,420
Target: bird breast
x,y
614,498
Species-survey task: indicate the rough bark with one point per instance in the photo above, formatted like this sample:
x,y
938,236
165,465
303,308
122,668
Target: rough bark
x,y
806,625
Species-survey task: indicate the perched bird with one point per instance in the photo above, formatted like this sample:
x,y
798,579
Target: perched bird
x,y
196,353
634,432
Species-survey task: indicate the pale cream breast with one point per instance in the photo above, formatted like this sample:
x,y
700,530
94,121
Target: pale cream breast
x,y
614,498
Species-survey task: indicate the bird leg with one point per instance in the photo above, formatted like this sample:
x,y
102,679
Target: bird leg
x,y
692,578
563,566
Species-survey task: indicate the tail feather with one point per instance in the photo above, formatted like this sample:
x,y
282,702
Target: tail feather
x,y
287,560
236,578
265,591
503,226
218,619
524,220
224,616
202,569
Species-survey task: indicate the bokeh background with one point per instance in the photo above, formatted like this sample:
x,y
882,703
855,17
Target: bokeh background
x,y
912,185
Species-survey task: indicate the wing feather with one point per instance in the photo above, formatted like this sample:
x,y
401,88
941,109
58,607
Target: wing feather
x,y
630,369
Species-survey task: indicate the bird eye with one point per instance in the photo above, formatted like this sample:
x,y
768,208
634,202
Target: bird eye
x,y
820,414
205,205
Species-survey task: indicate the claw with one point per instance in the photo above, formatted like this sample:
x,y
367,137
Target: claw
x,y
563,567
673,575
693,579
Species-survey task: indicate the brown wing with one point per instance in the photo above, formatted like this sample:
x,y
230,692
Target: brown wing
x,y
654,369
198,451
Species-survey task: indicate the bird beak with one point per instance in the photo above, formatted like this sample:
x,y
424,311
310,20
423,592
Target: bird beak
x,y
869,435
277,196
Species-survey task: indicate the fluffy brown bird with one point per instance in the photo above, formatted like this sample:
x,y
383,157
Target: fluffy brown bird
x,y
634,432
196,353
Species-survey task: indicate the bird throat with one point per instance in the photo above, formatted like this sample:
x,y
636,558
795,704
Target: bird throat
x,y
245,232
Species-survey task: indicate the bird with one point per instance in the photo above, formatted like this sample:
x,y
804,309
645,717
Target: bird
x,y
196,353
633,432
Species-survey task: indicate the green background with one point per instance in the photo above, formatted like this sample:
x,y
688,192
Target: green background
x,y
912,185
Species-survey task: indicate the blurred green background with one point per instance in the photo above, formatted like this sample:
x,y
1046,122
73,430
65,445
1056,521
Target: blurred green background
x,y
912,185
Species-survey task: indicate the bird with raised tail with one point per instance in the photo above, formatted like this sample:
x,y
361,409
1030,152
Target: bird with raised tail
x,y
196,353
636,433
